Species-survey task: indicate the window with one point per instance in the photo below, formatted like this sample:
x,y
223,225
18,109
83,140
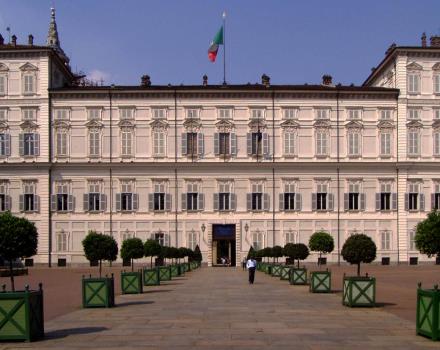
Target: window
x,y
290,237
413,113
413,196
290,113
29,84
322,113
413,143
385,240
159,143
3,84
192,196
321,143
5,144
61,137
159,196
413,83
225,113
62,241
436,142
192,240
224,196
29,114
289,196
29,200
436,113
385,143
224,143
411,240
289,143
3,114
5,201
126,235
126,113
29,144
321,196
94,199
94,113
63,202
437,83
257,196
61,114
257,240
257,113
192,113
126,142
126,200
354,114
191,143
385,196
435,205
385,114
159,113
353,196
94,142
257,138
354,143
161,238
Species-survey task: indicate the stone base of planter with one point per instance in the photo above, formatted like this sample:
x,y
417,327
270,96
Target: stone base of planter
x,y
98,292
151,277
165,273
428,312
359,291
131,282
298,276
320,281
284,273
21,315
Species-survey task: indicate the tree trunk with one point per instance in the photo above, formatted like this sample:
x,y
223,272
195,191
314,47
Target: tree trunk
x,y
151,262
11,271
298,263
132,265
319,260
359,269
100,268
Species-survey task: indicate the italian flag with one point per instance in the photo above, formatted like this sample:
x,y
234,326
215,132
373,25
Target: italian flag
x,y
213,48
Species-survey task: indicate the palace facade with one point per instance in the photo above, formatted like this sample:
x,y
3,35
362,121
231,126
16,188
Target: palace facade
x,y
221,166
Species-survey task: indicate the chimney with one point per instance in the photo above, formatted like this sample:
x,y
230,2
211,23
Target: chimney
x,y
30,39
265,80
205,80
435,41
14,40
2,40
145,80
390,48
327,80
424,39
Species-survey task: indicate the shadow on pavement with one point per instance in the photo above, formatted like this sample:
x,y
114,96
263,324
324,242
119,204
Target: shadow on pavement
x,y
385,304
62,333
158,291
128,303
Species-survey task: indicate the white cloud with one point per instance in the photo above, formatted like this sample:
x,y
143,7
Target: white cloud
x,y
97,75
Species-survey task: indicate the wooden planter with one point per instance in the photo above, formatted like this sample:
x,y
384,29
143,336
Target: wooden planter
x,y
174,270
131,282
21,315
98,292
320,281
298,276
427,316
165,273
359,291
269,269
151,277
284,273
276,270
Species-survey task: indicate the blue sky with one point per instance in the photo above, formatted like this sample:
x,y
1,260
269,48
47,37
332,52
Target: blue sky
x,y
294,42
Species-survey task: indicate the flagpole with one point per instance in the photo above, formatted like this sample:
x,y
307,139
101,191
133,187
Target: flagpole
x,y
224,48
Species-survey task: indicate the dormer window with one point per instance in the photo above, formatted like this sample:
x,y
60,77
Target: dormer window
x,y
62,114
225,113
322,113
94,114
159,113
29,114
126,113
385,114
354,114
290,113
192,113
257,113
413,114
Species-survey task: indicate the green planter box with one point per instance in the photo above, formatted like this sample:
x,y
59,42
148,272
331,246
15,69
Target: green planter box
x,y
131,282
276,270
193,265
188,266
21,315
165,273
268,269
298,276
427,316
359,291
320,281
284,273
174,270
151,277
98,292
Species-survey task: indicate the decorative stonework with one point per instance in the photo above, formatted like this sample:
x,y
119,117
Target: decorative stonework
x,y
61,124
436,66
192,124
290,125
414,125
354,126
28,67
126,124
436,125
29,125
414,66
3,68
159,125
256,125
322,124
225,126
94,124
3,126
385,125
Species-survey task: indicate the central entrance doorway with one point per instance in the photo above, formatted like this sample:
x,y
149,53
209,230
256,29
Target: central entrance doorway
x,y
223,244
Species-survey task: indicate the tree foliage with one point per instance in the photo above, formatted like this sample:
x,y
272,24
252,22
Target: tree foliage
x,y
152,248
99,247
132,248
296,251
18,240
357,249
277,252
197,256
321,242
251,253
427,236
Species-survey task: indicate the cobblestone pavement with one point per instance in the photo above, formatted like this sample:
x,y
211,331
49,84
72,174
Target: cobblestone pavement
x,y
215,308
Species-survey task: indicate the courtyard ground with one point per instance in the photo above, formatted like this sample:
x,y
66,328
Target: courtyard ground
x,y
217,308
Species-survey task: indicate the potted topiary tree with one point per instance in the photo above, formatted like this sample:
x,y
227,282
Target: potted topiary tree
x,y
297,251
268,254
151,275
359,290
131,282
276,252
320,281
198,257
18,240
99,292
427,238
165,271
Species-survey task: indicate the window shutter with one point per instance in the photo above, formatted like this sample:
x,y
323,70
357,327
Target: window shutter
x,y
21,144
422,202
118,202
266,199
36,203
36,144
135,199
346,199
362,201
200,144
233,199
183,197
168,202
53,202
216,201
298,202
281,201
102,202
150,201
233,144
377,201
432,201
166,240
249,201
70,202
249,143
406,201
86,202
200,201
184,145
21,202
216,143
314,201
394,201
7,145
330,201
265,144
7,202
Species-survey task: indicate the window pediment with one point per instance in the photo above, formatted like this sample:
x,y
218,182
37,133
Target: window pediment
x,y
225,125
414,124
436,124
354,125
94,124
28,125
3,67
385,125
257,124
436,66
28,67
3,126
126,124
159,125
61,124
323,124
414,66
289,125
192,124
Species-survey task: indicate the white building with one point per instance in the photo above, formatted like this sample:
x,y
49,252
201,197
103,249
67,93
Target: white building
x,y
221,166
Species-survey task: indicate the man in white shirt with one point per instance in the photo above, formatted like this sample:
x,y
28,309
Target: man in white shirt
x,y
251,265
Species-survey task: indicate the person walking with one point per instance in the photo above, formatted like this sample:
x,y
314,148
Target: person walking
x,y
251,265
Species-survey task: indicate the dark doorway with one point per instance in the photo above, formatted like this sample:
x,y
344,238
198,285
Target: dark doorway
x,y
223,244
